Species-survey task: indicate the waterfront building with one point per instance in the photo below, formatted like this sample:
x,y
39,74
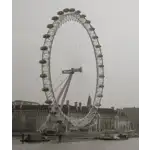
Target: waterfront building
x,y
133,116
31,117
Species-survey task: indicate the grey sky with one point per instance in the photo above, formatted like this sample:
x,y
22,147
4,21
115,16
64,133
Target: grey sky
x,y
116,24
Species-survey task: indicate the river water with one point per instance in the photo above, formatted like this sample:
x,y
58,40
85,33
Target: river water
x,y
130,144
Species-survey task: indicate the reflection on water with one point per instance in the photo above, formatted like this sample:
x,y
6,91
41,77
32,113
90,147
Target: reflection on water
x,y
131,144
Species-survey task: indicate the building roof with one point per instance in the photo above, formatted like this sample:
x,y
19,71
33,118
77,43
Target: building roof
x,y
71,109
21,102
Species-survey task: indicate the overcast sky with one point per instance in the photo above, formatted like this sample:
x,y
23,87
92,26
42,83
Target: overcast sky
x,y
116,23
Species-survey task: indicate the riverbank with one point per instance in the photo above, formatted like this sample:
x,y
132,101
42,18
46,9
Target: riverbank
x,y
131,144
70,137
67,136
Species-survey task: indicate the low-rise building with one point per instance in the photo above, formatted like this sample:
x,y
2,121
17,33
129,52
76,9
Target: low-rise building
x,y
31,117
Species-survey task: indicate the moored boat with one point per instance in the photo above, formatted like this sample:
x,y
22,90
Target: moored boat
x,y
123,136
34,138
132,134
107,136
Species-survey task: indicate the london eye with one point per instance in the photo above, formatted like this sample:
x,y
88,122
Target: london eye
x,y
62,17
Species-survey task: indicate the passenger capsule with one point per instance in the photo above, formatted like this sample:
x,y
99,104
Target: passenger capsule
x,y
45,89
60,13
44,48
42,61
88,21
43,75
82,16
50,26
101,86
98,46
46,36
66,10
55,18
100,55
101,66
71,9
95,37
100,95
92,29
78,12
101,76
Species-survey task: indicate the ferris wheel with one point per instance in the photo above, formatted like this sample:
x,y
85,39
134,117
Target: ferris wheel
x,y
62,17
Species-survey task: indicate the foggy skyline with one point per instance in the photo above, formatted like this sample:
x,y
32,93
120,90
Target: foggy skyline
x,y
116,24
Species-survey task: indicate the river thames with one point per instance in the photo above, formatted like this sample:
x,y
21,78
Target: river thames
x,y
130,144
